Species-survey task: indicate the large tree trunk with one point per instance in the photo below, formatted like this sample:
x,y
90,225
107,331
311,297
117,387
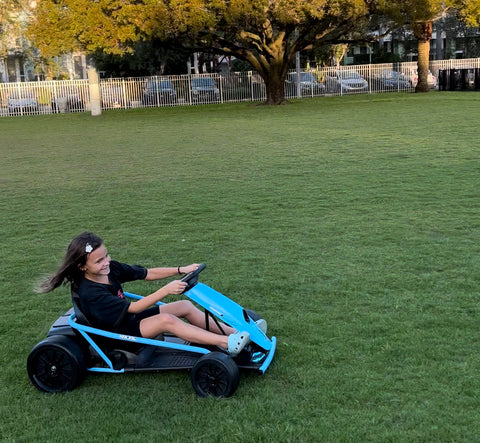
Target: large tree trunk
x,y
271,61
275,86
423,34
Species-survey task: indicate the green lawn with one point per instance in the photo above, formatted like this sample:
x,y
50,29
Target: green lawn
x,y
351,223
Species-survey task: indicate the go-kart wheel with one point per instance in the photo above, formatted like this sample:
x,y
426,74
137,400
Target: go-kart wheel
x,y
56,364
215,374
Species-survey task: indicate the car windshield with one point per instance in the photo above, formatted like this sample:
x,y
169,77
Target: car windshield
x,y
160,84
203,82
349,75
306,77
392,74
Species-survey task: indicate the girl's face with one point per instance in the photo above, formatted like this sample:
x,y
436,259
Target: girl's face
x,y
97,266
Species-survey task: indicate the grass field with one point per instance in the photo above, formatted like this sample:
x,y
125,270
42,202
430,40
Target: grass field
x,y
351,223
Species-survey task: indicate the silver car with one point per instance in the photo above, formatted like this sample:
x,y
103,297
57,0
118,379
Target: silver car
x,y
22,101
345,82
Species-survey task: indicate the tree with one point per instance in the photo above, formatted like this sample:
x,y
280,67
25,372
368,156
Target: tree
x,y
149,58
9,10
265,33
420,16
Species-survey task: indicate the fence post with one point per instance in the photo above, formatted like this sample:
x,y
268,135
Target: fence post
x,y
94,87
251,84
20,95
221,87
370,75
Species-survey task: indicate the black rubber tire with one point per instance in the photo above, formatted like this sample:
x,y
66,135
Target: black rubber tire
x,y
253,315
215,375
56,364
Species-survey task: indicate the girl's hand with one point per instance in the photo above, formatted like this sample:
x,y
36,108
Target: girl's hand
x,y
189,268
175,287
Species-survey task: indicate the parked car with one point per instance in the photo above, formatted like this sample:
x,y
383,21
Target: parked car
x,y
22,101
67,99
390,80
159,92
345,81
309,84
113,96
204,90
412,75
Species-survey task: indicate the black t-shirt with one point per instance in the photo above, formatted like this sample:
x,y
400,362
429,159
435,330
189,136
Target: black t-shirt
x,y
105,306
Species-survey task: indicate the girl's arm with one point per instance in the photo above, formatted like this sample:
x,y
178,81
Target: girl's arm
x,y
159,273
173,288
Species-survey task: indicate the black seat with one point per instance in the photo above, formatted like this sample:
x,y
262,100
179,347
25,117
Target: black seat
x,y
81,317
106,343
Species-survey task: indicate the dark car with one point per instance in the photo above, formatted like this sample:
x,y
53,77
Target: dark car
x,y
159,92
389,80
204,90
309,84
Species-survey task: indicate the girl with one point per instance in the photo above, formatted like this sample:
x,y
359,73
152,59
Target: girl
x,y
97,280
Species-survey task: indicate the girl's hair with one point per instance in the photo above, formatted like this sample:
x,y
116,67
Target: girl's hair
x,y
76,256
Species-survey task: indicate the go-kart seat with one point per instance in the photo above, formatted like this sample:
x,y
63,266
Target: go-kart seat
x,y
81,317
110,346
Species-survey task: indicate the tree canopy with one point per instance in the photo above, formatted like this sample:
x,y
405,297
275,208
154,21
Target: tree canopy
x,y
266,33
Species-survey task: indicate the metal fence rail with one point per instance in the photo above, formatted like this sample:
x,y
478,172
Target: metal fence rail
x,y
60,96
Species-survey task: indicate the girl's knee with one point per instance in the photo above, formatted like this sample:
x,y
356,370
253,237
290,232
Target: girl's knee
x,y
167,320
184,307
187,305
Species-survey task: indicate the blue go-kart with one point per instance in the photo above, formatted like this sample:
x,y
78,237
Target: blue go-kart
x,y
73,347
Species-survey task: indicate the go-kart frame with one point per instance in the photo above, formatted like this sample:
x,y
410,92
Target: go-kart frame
x,y
73,347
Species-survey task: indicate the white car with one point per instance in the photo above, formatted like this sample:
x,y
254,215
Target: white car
x,y
412,75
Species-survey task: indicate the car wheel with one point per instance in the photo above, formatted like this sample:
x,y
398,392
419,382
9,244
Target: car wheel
x,y
56,364
216,375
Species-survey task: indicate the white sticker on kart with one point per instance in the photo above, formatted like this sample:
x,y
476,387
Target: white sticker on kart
x,y
214,311
127,337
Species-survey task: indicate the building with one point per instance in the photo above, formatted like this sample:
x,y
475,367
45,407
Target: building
x,y
20,61
451,39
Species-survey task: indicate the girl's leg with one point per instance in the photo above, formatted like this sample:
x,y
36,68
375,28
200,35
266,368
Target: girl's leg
x,y
152,326
185,309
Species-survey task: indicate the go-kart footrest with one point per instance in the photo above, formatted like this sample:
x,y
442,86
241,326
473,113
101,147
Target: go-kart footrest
x,y
163,359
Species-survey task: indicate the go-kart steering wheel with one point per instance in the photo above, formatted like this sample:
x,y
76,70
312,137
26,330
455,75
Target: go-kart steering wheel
x,y
192,277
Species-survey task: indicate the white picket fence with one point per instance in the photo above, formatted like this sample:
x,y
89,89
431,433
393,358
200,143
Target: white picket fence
x,y
61,96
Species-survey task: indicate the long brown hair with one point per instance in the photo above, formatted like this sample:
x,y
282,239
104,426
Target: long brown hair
x,y
69,271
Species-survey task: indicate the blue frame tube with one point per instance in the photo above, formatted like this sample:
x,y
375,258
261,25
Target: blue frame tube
x,y
85,330
270,355
139,297
197,294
